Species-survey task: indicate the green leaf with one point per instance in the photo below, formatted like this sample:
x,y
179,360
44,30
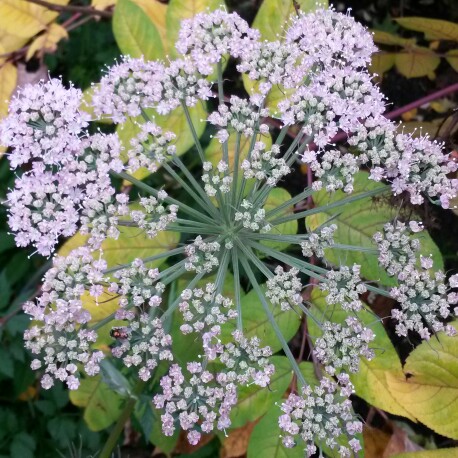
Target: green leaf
x,y
135,34
429,388
115,379
102,406
273,15
22,446
62,430
178,10
132,243
275,198
254,401
357,222
265,439
434,29
308,371
417,62
256,323
174,122
371,381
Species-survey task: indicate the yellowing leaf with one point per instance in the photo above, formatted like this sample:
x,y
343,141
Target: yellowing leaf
x,y
135,34
8,80
429,389
274,14
156,11
417,62
434,29
47,42
24,19
102,405
382,62
132,243
440,453
9,42
390,39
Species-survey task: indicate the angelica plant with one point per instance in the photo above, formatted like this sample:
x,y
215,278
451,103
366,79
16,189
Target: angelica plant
x,y
68,182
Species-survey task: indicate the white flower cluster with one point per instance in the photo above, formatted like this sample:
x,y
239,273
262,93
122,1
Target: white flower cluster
x,y
135,84
246,361
333,169
216,182
150,148
204,308
252,218
342,345
155,217
344,287
275,63
138,286
201,255
323,415
57,336
147,343
317,242
284,288
264,165
424,298
241,116
207,37
195,401
413,165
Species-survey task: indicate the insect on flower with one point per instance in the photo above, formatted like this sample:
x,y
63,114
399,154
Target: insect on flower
x,y
121,333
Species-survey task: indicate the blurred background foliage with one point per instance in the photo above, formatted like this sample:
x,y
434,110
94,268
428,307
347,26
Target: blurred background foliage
x,y
75,40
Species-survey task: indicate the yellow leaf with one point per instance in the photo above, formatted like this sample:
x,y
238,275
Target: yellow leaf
x,y
381,62
434,29
24,19
418,61
132,243
10,43
47,42
102,4
440,453
8,79
390,39
156,11
429,389
409,115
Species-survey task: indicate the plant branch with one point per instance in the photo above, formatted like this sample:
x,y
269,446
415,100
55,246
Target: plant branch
x,y
72,8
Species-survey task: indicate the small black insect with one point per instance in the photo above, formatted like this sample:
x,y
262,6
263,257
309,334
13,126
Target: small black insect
x,y
122,333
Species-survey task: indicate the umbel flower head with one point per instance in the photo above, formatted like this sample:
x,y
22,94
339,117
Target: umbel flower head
x,y
232,238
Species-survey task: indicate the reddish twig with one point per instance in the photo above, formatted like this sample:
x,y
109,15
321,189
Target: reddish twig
x,y
87,10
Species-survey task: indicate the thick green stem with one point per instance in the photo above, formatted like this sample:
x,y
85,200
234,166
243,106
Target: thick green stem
x,y
116,432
